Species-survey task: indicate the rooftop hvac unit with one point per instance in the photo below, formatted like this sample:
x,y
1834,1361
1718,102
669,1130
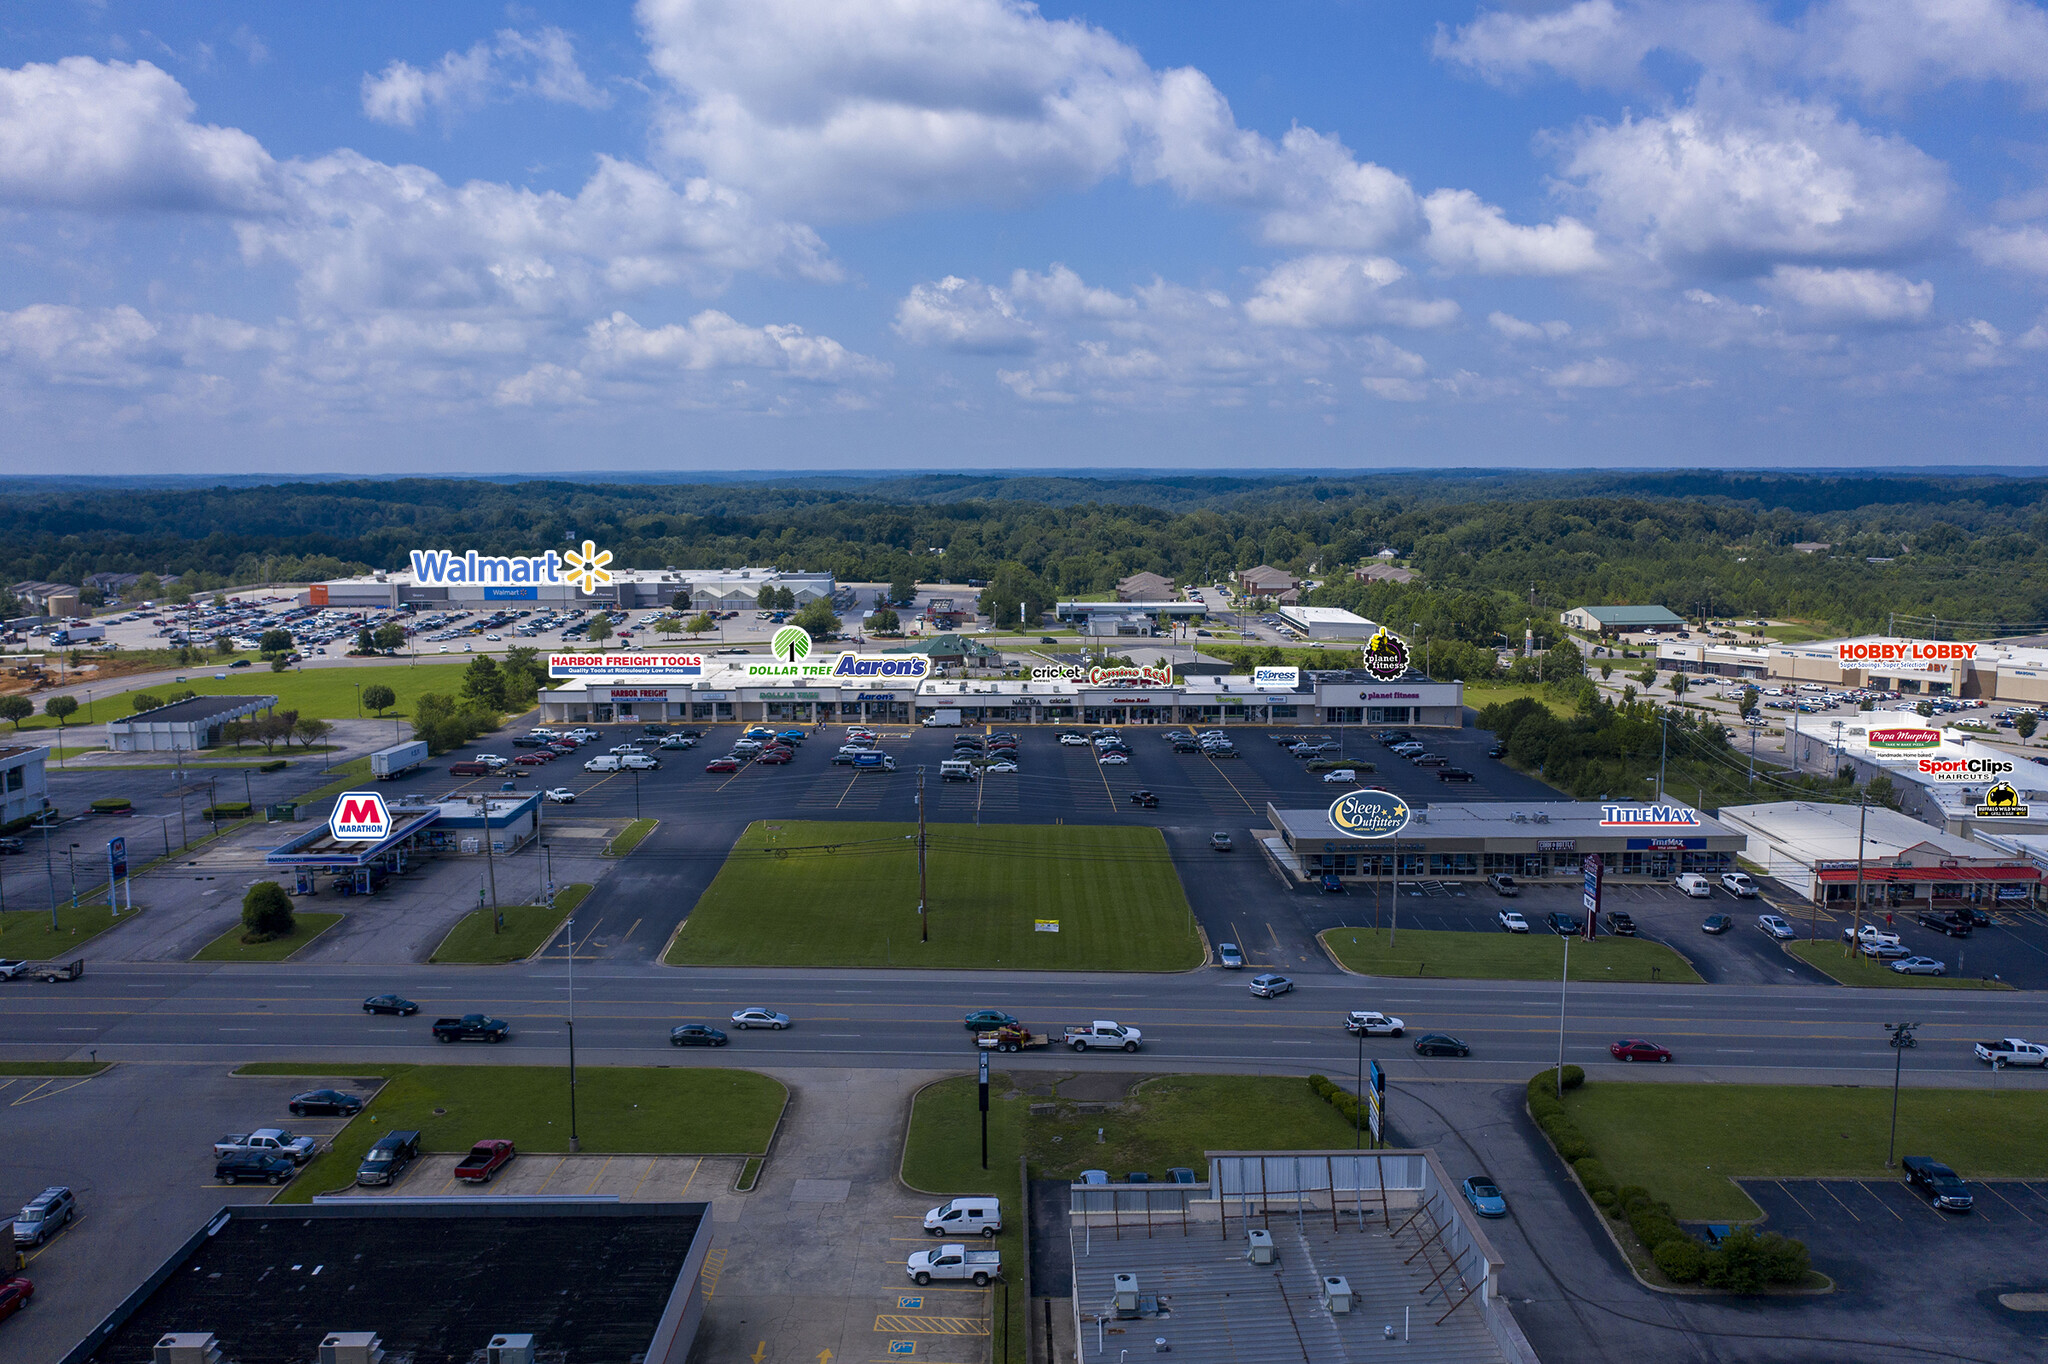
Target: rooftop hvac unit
x,y
510,1349
1336,1294
1542,818
1125,1296
351,1347
187,1347
1260,1251
1519,818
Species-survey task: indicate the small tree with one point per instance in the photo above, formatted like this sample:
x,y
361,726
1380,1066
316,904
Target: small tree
x,y
903,591
1606,671
482,683
1678,684
311,731
366,642
280,662
60,709
274,642
599,630
1647,678
143,701
818,619
223,644
389,638
16,708
266,912
1748,702
379,698
668,627
2024,726
700,623
884,620
1925,710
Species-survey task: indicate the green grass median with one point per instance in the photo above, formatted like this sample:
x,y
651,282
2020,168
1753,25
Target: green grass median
x,y
474,942
230,947
619,1109
53,1067
1535,955
630,837
26,933
1870,973
1686,1142
793,893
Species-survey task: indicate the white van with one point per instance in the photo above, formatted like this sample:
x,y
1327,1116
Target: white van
x,y
956,769
961,1216
1695,885
603,762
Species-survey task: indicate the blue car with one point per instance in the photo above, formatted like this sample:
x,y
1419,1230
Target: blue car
x,y
1484,1196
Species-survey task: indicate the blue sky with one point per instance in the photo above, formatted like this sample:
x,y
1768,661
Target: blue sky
x,y
736,234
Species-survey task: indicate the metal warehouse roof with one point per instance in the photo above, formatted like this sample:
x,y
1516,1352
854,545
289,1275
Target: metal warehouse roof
x,y
1632,615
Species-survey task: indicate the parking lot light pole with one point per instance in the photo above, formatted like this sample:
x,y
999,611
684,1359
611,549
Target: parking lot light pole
x,y
1358,1117
71,862
1901,1038
1564,981
574,1145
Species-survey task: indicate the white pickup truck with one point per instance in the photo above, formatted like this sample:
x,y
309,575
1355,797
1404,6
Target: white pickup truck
x,y
274,1141
1103,1033
2012,1051
954,1262
1868,935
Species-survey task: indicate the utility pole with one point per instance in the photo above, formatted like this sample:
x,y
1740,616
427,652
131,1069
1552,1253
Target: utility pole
x,y
1752,757
574,1144
1564,980
1663,748
924,931
1862,816
490,866
49,867
1901,1039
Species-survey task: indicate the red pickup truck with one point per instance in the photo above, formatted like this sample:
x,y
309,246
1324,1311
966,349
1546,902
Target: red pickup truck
x,y
484,1161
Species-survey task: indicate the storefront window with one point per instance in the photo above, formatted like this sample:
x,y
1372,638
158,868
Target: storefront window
x,y
1454,864
1344,715
1387,715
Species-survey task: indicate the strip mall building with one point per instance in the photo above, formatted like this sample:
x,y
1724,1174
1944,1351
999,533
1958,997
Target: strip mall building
x,y
646,687
1989,671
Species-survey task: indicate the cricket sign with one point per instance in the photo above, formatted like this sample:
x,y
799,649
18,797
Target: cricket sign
x,y
359,817
1386,655
1369,814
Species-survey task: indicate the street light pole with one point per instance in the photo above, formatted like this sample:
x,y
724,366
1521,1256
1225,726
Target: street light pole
x,y
1358,1118
574,1144
49,867
923,919
71,862
1901,1038
1563,981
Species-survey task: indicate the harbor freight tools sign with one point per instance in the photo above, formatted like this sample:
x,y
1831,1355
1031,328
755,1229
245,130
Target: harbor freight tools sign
x,y
1386,655
1369,814
1282,679
614,665
1903,740
1883,651
1965,769
359,817
1648,817
2002,802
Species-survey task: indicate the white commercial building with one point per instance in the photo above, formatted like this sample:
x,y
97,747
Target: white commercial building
x,y
1328,622
1942,777
1991,671
24,786
1814,847
182,726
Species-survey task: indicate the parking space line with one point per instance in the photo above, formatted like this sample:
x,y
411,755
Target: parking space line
x,y
592,1186
1828,1189
1793,1196
559,1162
1879,1201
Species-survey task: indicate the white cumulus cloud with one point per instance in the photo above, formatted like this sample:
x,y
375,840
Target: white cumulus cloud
x,y
1469,235
1341,293
542,64
714,340
1599,372
2024,249
964,315
1875,296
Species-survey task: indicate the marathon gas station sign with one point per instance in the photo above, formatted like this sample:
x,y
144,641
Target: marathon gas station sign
x,y
616,665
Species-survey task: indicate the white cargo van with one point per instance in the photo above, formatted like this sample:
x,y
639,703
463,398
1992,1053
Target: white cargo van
x,y
1695,885
965,1216
956,769
604,762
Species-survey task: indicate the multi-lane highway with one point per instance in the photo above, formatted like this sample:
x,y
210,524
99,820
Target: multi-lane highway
x,y
1204,1020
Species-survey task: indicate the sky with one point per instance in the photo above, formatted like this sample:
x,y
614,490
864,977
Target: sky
x,y
1163,235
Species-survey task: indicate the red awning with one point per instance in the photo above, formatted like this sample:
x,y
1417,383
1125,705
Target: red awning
x,y
1881,875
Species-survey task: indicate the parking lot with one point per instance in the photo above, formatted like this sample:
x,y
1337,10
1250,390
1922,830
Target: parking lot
x,y
1894,1256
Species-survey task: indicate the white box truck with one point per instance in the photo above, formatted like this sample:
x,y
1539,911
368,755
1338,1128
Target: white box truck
x,y
942,719
398,759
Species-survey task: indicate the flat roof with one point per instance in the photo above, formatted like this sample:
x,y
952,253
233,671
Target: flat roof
x,y
434,1279
1632,615
1505,819
1814,831
1324,615
16,750
197,708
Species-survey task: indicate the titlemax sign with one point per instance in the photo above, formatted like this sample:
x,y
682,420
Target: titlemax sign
x,y
1648,817
442,567
1905,651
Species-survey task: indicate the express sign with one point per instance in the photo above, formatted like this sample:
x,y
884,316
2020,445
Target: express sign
x,y
359,817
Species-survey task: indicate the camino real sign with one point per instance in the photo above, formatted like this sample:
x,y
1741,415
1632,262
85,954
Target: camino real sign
x,y
1369,814
618,665
1130,677
359,817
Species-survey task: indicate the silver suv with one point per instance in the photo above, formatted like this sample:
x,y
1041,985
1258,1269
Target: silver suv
x,y
44,1216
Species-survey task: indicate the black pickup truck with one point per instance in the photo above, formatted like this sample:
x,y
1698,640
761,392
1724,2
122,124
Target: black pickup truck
x,y
1954,925
471,1028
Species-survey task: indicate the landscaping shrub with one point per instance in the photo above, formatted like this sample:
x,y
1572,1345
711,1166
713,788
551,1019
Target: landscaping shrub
x,y
1593,1174
1321,1085
1683,1261
278,765
1574,1076
1746,1262
112,805
266,912
1630,1195
1564,1134
1605,1199
1653,1225
227,809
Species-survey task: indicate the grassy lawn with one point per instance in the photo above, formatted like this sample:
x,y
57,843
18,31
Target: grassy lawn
x,y
1685,1142
641,1110
1536,955
53,1067
526,928
942,1156
816,894
230,947
1827,958
629,837
1480,695
322,693
25,933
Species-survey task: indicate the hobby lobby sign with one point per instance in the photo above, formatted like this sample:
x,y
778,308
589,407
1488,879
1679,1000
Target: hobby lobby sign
x,y
1904,651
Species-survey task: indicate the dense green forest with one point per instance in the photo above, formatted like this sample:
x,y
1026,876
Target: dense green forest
x,y
1495,549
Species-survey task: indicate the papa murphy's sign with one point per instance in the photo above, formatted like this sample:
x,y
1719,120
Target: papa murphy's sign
x,y
1862,652
1903,740
611,665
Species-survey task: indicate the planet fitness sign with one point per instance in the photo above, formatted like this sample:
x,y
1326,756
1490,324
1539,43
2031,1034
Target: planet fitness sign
x,y
1369,814
359,817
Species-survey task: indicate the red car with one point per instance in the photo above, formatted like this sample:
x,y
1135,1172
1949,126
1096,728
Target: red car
x,y
14,1295
531,760
1636,1049
722,765
775,755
